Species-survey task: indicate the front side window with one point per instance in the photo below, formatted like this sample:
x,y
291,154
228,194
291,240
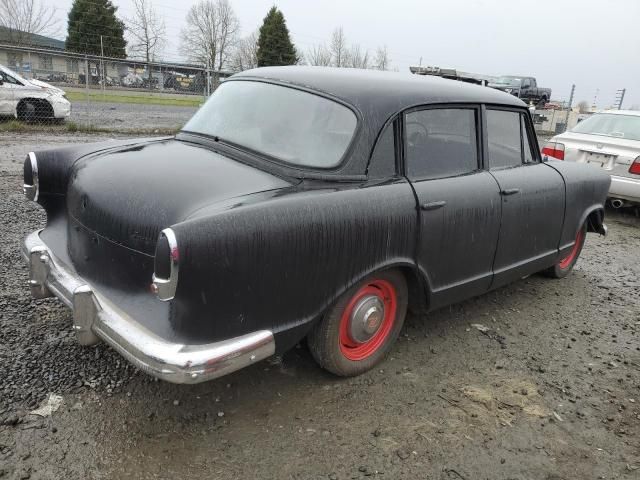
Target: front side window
x,y
440,142
503,135
290,125
611,125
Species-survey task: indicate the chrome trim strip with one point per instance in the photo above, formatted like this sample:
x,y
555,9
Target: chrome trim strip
x,y
165,288
95,317
32,191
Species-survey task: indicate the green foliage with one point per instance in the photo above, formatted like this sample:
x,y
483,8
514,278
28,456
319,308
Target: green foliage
x,y
88,21
274,43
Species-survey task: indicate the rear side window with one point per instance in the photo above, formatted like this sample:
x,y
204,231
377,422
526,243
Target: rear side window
x,y
440,143
503,134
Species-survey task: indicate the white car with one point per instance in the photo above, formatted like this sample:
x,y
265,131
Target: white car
x,y
31,100
609,140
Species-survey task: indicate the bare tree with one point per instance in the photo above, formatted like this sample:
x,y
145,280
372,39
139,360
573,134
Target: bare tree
x,y
338,47
382,61
356,57
319,55
245,53
147,33
23,17
210,34
583,107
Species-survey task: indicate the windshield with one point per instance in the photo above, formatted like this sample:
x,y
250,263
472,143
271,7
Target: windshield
x,y
611,125
290,125
516,81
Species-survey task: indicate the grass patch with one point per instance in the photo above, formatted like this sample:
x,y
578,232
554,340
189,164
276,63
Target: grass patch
x,y
142,99
16,126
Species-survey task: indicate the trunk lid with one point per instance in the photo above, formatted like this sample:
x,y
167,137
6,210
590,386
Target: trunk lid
x,y
127,196
612,154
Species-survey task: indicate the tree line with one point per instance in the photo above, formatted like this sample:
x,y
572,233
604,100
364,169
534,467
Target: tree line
x,y
211,35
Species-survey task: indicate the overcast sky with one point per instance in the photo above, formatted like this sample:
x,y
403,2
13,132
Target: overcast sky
x,y
592,43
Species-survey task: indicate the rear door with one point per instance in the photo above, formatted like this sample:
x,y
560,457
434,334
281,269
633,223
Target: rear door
x,y
458,202
533,196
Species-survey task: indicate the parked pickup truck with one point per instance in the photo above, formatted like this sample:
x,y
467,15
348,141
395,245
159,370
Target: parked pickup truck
x,y
525,88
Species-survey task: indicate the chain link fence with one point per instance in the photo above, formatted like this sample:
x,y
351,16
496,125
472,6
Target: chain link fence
x,y
96,93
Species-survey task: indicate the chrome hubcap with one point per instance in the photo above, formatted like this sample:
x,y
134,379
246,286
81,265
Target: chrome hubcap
x,y
366,318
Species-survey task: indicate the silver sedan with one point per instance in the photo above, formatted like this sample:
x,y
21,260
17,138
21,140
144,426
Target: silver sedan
x,y
608,140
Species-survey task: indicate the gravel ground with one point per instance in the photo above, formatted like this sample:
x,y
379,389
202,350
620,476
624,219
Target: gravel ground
x,y
126,116
549,390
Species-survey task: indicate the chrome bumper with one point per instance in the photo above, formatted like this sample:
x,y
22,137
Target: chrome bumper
x,y
95,317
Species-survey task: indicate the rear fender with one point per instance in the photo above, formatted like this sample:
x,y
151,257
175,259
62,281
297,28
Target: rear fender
x,y
279,264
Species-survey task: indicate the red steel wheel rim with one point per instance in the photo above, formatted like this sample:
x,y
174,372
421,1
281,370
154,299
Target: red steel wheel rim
x,y
566,261
386,293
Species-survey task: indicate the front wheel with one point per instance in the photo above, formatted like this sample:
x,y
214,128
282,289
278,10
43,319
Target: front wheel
x,y
360,328
565,265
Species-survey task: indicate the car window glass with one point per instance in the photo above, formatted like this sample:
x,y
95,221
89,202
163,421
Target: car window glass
x,y
503,135
9,79
287,124
383,159
529,157
440,142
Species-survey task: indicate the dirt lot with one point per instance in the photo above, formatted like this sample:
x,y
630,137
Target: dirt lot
x,y
550,389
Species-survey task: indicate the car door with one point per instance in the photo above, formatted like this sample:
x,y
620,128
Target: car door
x,y
458,202
533,196
7,101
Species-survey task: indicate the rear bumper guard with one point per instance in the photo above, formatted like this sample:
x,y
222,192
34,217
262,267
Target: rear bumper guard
x,y
95,318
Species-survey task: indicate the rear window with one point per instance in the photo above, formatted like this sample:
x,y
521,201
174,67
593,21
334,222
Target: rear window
x,y
293,126
611,125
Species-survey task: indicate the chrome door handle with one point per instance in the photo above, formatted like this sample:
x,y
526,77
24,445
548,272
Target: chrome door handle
x,y
509,191
433,205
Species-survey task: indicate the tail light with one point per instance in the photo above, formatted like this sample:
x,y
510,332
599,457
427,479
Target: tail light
x,y
635,167
554,149
165,266
30,185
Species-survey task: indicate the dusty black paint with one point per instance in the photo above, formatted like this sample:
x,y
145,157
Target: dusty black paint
x,y
264,245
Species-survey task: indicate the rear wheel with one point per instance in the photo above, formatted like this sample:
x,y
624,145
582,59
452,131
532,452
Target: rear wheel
x,y
565,265
360,328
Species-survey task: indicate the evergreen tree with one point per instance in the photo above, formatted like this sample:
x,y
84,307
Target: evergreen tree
x,y
274,43
88,21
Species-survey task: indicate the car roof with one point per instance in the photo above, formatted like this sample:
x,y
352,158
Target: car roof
x,y
382,92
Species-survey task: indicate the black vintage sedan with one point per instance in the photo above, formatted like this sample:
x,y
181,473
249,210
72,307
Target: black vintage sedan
x,y
302,202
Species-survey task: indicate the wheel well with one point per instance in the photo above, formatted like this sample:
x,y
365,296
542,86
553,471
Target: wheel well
x,y
595,221
416,288
43,107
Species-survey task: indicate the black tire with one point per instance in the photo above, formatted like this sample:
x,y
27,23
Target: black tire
x,y
34,110
27,111
542,102
327,341
565,265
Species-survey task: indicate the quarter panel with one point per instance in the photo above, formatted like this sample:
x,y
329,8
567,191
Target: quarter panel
x,y
586,191
279,264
